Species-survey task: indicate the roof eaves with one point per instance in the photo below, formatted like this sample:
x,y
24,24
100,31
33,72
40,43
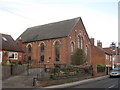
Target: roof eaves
x,y
102,50
44,39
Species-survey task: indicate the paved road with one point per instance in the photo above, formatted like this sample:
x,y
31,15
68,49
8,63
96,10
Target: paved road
x,y
106,84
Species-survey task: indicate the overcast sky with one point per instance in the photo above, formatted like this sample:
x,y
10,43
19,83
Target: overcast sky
x,y
100,17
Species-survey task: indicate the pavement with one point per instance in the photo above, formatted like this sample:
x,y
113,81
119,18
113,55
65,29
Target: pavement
x,y
22,80
67,85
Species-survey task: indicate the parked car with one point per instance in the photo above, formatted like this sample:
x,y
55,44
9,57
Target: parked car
x,y
115,72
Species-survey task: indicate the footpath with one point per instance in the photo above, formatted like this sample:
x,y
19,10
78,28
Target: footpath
x,y
22,80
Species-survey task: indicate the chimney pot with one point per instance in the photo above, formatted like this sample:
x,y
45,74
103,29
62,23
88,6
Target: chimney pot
x,y
92,41
99,44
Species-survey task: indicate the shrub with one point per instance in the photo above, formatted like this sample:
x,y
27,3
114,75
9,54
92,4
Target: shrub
x,y
13,63
3,64
99,65
19,63
77,58
100,68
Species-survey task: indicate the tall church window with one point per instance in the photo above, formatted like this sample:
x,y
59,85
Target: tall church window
x,y
42,49
72,48
79,42
86,51
29,52
57,51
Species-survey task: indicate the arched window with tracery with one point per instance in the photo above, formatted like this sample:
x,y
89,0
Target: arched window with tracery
x,y
57,51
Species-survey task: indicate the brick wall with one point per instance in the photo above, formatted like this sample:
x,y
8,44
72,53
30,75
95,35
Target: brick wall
x,y
65,44
98,56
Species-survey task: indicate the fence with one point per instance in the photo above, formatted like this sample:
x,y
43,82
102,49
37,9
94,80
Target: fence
x,y
10,70
100,69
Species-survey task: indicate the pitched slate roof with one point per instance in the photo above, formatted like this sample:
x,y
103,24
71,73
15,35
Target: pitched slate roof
x,y
102,50
49,31
110,51
9,44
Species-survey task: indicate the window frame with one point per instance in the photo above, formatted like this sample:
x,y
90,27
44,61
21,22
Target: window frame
x,y
42,52
79,42
72,49
15,55
57,51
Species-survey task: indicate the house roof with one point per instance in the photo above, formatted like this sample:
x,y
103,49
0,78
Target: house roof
x,y
102,50
110,51
9,44
49,31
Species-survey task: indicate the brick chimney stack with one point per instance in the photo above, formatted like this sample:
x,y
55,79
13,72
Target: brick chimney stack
x,y
20,42
99,44
92,41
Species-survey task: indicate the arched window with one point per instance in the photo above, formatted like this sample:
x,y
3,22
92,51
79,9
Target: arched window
x,y
72,48
29,52
57,51
79,42
42,48
86,51
29,48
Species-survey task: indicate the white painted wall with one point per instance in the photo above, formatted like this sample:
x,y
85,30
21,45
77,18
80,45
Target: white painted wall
x,y
0,56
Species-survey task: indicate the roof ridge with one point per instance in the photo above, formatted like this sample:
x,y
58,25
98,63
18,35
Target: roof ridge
x,y
55,22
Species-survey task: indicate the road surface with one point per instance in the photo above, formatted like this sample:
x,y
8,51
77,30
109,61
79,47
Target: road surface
x,y
106,84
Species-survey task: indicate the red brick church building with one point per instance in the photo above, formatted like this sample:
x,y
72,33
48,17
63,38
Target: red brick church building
x,y
55,42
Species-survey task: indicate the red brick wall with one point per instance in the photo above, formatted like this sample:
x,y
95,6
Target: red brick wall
x,y
98,56
64,46
78,30
5,56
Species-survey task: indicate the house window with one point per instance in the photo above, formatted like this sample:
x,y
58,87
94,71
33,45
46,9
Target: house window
x,y
107,56
13,55
57,51
110,58
72,48
4,39
42,48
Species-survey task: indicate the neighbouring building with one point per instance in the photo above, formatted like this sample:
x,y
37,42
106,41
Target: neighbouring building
x,y
55,43
115,51
9,50
100,56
